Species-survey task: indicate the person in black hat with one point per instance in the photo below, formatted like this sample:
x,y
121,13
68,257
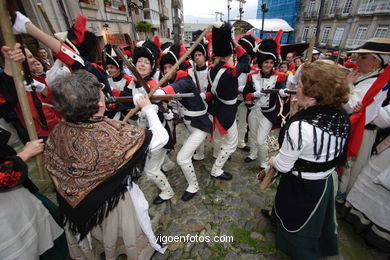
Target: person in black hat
x,y
194,114
263,114
373,58
145,60
222,94
248,43
114,66
68,52
198,73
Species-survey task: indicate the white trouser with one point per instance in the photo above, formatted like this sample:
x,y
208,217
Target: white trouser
x,y
228,146
259,128
241,124
355,165
184,156
153,171
167,164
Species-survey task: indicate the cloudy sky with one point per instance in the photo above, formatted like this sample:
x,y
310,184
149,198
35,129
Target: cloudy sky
x,y
203,11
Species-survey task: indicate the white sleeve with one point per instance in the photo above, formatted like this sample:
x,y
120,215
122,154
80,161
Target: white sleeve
x,y
287,156
160,135
357,94
383,118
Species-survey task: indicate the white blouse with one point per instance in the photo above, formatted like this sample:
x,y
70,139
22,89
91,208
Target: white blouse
x,y
287,156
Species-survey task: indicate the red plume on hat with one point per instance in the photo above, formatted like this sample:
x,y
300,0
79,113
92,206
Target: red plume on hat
x,y
182,49
80,27
277,39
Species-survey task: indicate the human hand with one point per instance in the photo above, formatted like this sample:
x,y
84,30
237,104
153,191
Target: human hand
x,y
271,161
14,54
141,100
241,88
19,25
169,116
358,107
31,149
39,87
353,76
202,95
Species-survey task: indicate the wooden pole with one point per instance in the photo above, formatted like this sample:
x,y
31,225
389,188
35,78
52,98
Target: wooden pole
x,y
6,29
43,12
309,53
170,73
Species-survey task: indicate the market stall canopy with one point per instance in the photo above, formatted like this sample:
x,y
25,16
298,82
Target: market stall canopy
x,y
270,25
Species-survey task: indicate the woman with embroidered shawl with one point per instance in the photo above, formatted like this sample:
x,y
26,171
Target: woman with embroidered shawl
x,y
92,162
313,144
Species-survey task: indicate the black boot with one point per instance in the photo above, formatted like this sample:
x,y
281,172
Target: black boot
x,y
187,196
158,200
248,159
224,176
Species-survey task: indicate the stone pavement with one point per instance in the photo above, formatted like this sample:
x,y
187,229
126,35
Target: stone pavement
x,y
228,208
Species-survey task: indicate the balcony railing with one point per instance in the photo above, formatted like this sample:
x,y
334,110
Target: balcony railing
x,y
354,43
374,8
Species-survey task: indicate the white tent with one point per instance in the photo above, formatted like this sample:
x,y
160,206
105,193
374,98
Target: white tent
x,y
270,25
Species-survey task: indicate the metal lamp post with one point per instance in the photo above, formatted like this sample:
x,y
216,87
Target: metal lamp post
x,y
264,9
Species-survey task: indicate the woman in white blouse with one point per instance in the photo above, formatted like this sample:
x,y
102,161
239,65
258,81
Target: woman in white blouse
x,y
313,144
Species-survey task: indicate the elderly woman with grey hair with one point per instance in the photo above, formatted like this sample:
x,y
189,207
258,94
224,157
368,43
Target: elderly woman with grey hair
x,y
92,162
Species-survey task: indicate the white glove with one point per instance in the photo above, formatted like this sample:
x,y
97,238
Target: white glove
x,y
258,94
39,87
168,116
202,95
282,93
136,97
20,23
241,88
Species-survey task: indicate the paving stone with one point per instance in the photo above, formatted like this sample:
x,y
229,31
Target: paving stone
x,y
232,256
257,235
206,253
197,248
250,225
245,247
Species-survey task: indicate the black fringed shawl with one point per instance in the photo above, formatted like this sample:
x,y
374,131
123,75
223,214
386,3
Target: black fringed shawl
x,y
331,120
297,198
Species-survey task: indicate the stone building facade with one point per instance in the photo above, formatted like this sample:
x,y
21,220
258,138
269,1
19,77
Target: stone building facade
x,y
345,24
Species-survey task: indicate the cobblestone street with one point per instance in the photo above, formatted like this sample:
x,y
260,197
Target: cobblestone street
x,y
229,208
225,208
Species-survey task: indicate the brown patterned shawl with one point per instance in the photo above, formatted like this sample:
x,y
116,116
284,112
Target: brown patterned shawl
x,y
88,164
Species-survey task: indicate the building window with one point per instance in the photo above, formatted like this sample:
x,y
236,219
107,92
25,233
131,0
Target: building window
x,y
313,31
347,7
338,36
333,5
116,3
147,15
312,5
305,33
146,4
381,31
360,33
325,34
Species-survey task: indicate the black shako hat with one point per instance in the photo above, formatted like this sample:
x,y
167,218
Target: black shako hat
x,y
248,43
148,50
222,39
267,49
